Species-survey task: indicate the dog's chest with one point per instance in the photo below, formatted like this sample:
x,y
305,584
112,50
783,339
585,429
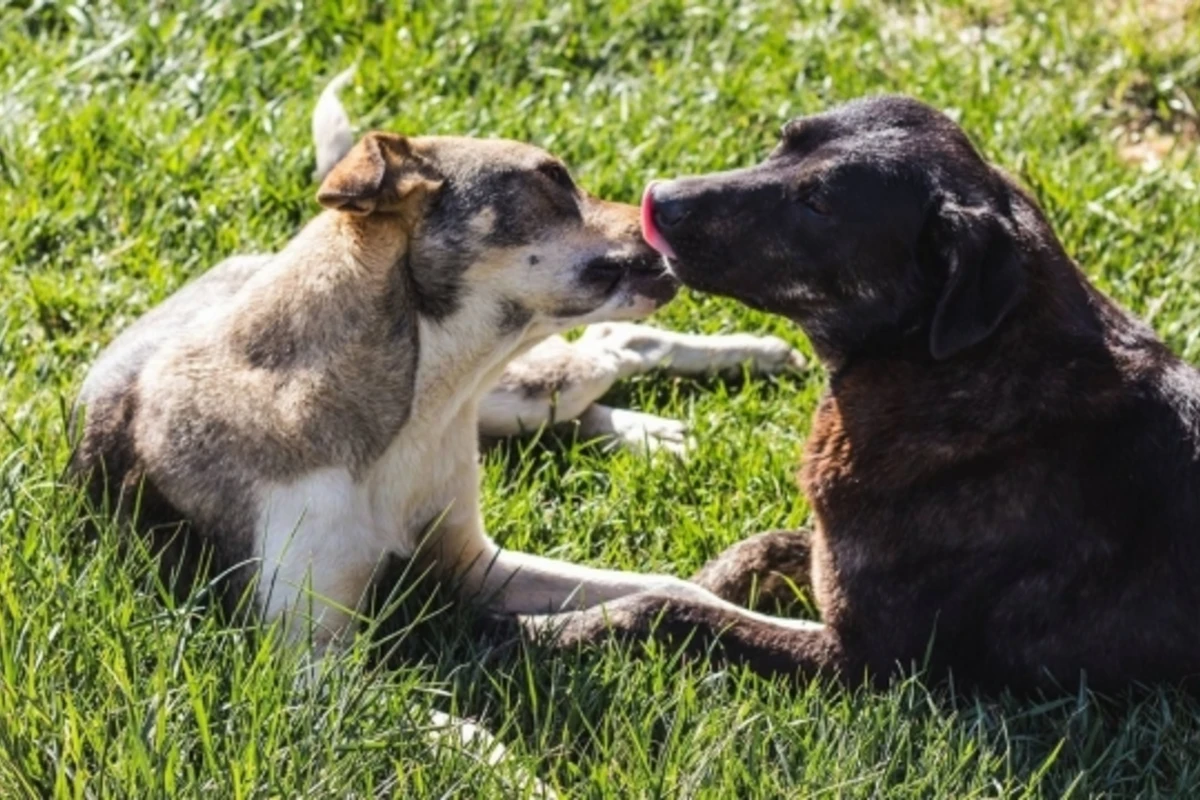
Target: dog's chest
x,y
830,458
418,480
860,453
422,479
842,478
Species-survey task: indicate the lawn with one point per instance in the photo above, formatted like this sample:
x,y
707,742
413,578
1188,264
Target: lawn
x,y
141,143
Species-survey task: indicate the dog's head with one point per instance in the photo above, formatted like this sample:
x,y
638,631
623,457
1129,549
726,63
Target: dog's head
x,y
501,224
874,225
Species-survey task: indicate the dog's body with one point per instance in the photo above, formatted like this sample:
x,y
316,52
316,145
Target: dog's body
x,y
307,413
1005,471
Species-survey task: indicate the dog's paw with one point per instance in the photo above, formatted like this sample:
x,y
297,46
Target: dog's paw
x,y
625,619
648,433
762,572
766,355
631,343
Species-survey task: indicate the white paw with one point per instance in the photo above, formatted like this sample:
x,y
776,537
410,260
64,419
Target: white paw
x,y
769,355
638,343
763,355
649,433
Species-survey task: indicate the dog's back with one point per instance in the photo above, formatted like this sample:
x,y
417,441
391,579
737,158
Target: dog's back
x,y
105,455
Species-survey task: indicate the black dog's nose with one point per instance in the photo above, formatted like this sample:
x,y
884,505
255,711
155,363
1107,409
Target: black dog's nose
x,y
669,212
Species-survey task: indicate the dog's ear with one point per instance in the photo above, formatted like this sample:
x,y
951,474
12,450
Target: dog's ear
x,y
378,175
985,277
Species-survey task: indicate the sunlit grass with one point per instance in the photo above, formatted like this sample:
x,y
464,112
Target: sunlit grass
x,y
139,147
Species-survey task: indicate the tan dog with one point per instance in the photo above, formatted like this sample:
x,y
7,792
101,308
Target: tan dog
x,y
307,413
297,417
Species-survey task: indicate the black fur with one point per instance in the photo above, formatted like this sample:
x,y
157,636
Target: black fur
x,y
1006,464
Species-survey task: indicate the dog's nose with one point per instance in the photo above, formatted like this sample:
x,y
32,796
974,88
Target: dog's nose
x,y
668,211
660,213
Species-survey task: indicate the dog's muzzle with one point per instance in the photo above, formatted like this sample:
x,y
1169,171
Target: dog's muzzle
x,y
657,215
653,283
642,275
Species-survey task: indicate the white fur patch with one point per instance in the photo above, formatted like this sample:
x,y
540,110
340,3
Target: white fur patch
x,y
322,537
318,546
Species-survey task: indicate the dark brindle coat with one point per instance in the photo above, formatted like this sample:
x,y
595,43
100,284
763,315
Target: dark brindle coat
x,y
1005,470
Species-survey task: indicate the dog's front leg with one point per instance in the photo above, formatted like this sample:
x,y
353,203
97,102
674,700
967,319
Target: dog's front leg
x,y
554,382
559,381
623,350
511,582
772,647
315,587
634,429
640,348
767,571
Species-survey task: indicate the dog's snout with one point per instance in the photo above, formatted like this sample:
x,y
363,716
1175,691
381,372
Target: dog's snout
x,y
605,269
662,210
668,206
670,212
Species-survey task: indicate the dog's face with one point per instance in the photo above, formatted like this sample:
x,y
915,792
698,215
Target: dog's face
x,y
502,224
874,225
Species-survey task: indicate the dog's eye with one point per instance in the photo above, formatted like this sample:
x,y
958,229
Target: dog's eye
x,y
815,205
558,173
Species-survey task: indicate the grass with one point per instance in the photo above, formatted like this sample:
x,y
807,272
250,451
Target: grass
x,y
142,143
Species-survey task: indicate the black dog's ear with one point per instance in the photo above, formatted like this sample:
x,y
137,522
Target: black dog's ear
x,y
984,277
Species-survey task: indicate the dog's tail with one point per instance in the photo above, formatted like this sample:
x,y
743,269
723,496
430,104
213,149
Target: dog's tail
x,y
331,131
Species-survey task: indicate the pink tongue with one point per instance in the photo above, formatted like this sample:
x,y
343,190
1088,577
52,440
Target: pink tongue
x,y
649,231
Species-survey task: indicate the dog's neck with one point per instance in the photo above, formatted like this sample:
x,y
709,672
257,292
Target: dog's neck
x,y
461,357
1065,340
337,306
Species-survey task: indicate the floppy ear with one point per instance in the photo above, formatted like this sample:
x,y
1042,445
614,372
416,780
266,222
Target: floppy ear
x,y
984,278
377,175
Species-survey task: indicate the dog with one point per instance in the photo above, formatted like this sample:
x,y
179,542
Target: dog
x,y
286,422
304,415
1005,468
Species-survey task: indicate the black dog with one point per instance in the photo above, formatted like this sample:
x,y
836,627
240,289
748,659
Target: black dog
x,y
1006,467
